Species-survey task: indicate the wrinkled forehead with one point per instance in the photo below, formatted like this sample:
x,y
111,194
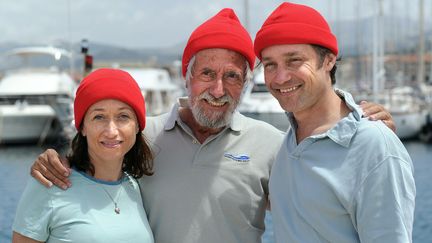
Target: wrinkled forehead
x,y
221,57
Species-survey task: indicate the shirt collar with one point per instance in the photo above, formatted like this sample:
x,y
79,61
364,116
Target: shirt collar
x,y
173,116
345,129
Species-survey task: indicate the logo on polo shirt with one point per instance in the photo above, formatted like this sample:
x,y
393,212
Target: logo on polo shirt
x,y
238,158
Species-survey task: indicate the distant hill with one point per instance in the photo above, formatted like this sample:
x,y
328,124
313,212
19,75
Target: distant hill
x,y
103,53
354,37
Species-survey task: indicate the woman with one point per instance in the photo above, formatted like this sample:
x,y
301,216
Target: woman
x,y
107,155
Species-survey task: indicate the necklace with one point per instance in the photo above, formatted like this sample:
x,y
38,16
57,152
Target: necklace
x,y
116,208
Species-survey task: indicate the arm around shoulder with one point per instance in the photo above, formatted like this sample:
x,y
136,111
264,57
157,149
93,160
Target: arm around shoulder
x,y
50,169
18,238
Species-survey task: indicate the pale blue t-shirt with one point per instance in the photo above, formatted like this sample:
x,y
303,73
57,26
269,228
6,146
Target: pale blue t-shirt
x,y
84,212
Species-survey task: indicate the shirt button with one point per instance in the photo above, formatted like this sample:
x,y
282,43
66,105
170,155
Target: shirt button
x,y
194,141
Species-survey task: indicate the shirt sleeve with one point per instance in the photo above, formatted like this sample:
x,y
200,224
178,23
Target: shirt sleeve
x,y
385,203
34,212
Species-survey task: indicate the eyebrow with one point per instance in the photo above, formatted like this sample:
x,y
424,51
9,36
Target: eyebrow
x,y
286,55
206,69
103,109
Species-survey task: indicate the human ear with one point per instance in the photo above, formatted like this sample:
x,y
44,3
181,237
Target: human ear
x,y
330,61
83,132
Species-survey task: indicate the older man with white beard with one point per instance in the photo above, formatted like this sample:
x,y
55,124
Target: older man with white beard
x,y
212,164
204,116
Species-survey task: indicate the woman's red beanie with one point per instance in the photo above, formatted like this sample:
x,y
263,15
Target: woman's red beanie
x,y
223,30
106,83
295,24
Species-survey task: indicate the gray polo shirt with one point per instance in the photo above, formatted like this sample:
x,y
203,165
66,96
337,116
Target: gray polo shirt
x,y
211,192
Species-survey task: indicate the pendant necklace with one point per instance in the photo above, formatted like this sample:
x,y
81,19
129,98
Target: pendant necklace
x,y
116,208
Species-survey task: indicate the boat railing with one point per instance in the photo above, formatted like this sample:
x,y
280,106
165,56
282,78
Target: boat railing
x,y
30,99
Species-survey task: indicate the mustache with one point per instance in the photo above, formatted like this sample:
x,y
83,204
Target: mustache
x,y
206,96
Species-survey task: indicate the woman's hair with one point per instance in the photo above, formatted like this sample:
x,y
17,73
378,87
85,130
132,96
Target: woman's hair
x,y
137,162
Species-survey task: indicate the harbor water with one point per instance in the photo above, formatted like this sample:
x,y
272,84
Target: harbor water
x,y
15,162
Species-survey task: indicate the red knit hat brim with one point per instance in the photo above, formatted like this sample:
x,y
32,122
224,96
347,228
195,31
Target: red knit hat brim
x,y
223,30
108,84
294,24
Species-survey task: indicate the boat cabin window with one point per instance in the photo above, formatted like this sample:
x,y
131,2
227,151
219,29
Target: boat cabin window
x,y
259,88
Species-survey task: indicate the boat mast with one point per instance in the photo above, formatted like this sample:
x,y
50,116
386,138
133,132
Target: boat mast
x,y
246,13
378,70
71,58
359,41
421,49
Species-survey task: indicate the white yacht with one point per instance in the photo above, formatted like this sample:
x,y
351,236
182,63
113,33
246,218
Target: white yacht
x,y
36,94
159,90
258,103
407,109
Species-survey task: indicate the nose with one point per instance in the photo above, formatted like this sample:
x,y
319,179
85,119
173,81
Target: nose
x,y
283,75
217,89
111,129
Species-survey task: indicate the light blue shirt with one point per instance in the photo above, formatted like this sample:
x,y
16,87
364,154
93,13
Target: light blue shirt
x,y
353,183
84,212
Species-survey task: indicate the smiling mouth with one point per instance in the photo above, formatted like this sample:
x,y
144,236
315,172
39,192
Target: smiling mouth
x,y
111,144
215,103
289,90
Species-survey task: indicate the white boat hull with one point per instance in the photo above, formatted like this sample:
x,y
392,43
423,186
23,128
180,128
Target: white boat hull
x,y
408,125
25,123
35,95
277,119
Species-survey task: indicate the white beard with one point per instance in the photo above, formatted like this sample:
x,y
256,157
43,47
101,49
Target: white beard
x,y
212,119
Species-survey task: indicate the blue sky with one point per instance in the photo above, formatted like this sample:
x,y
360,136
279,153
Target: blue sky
x,y
161,23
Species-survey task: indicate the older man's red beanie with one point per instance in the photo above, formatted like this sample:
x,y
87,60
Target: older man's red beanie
x,y
295,24
223,30
106,83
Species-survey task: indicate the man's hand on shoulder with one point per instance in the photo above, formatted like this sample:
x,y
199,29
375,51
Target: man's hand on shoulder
x,y
50,169
377,112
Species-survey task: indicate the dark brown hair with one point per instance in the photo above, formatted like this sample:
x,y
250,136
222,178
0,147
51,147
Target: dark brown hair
x,y
137,162
322,52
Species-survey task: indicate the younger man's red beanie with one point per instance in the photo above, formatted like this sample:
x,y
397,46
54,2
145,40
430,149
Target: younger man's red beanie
x,y
295,24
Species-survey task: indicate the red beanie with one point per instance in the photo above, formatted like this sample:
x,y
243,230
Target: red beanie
x,y
223,30
108,83
295,24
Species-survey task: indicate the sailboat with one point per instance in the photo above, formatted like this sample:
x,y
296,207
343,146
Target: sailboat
x,y
406,108
403,102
